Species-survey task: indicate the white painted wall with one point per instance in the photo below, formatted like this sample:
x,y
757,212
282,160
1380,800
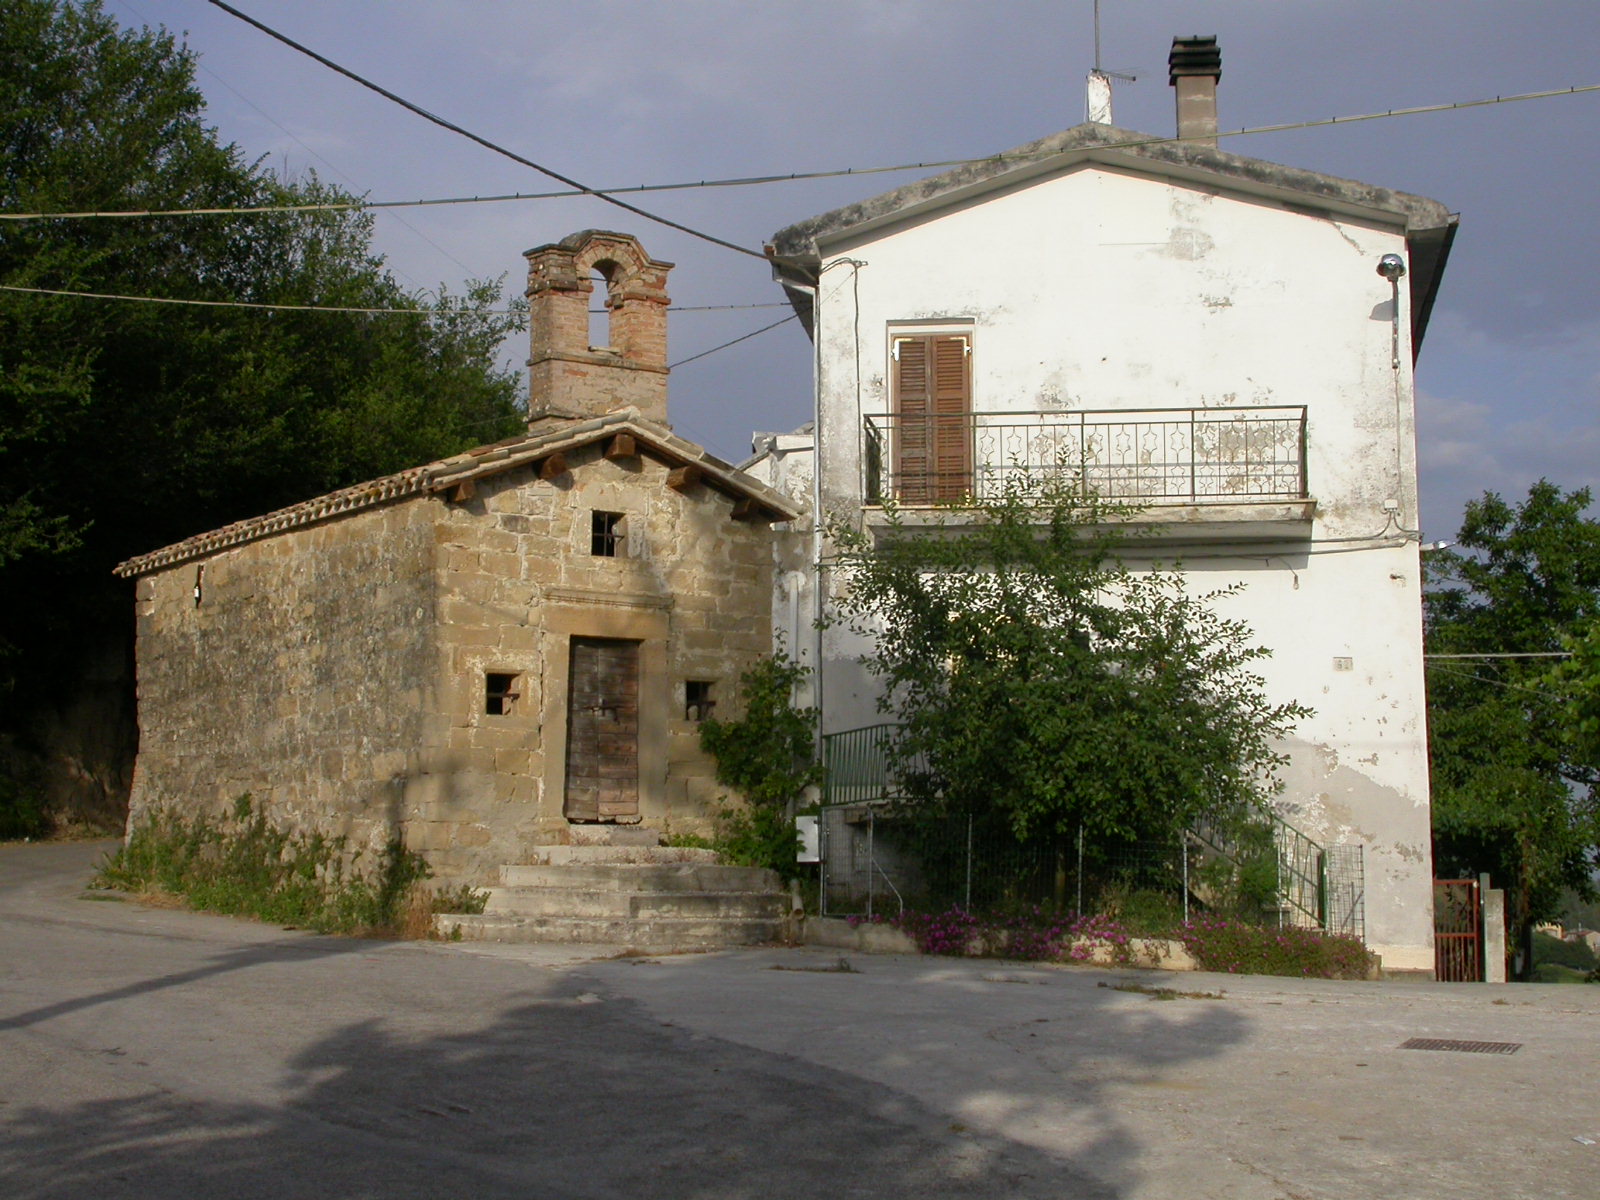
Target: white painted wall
x,y
1102,289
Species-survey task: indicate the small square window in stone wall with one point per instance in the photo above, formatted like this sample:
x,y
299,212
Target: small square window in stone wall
x,y
500,693
697,701
606,534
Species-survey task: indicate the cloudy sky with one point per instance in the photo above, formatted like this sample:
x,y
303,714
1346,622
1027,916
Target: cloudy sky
x,y
621,94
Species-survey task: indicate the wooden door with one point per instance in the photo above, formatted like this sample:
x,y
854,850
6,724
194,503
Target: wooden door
x,y
933,406
603,731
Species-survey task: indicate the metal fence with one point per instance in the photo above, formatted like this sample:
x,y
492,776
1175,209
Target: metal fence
x,y
1197,455
877,860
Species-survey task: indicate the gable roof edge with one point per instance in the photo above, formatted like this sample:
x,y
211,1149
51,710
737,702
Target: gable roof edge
x,y
478,463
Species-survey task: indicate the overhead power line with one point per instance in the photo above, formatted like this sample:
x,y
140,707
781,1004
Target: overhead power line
x,y
482,141
1530,654
761,180
734,342
422,312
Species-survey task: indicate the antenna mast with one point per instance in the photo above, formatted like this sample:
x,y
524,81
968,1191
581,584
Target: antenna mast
x,y
1098,106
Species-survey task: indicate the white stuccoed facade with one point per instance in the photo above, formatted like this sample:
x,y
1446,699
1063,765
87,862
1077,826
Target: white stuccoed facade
x,y
1090,277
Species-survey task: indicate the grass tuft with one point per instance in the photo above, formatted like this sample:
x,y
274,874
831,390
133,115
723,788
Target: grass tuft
x,y
246,866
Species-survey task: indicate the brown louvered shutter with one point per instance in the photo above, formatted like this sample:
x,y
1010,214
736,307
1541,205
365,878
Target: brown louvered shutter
x,y
933,401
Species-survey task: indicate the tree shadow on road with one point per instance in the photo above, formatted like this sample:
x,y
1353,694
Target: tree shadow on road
x,y
567,1094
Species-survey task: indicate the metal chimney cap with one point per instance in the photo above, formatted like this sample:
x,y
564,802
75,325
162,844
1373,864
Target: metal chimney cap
x,y
1194,56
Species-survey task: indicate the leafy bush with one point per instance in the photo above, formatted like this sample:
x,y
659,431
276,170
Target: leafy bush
x,y
1032,935
22,811
769,755
757,837
1548,949
1220,944
249,867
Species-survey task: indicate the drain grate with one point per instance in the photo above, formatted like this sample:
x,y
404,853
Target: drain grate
x,y
1461,1047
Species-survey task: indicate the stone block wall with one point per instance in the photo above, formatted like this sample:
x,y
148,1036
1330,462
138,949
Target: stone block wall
x,y
339,672
297,669
518,580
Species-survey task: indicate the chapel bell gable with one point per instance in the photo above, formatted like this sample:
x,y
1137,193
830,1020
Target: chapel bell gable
x,y
568,377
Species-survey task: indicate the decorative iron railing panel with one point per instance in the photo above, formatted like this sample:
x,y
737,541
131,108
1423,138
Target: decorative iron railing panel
x,y
1198,455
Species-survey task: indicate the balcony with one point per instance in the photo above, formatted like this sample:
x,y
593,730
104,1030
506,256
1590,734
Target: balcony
x,y
1254,457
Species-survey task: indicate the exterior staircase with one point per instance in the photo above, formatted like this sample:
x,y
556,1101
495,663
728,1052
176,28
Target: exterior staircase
x,y
617,885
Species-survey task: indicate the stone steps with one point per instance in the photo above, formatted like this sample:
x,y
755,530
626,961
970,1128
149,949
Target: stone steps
x,y
562,856
620,887
648,905
658,936
635,877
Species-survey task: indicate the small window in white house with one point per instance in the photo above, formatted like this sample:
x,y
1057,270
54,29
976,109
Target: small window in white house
x,y
500,693
697,701
606,534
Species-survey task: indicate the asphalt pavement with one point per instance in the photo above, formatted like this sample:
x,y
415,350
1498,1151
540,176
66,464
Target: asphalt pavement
x,y
151,1053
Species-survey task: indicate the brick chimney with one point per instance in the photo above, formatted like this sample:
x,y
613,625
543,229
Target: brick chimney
x,y
567,377
1194,66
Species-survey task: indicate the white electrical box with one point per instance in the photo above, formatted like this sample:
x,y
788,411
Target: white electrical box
x,y
810,844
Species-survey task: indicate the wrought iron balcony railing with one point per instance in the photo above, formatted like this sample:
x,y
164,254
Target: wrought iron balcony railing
x,y
1192,455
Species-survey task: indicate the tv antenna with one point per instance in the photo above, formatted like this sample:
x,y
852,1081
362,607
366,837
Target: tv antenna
x,y
1098,69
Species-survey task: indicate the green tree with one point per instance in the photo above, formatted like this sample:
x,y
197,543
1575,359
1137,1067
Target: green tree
x,y
768,755
125,426
1035,677
1514,776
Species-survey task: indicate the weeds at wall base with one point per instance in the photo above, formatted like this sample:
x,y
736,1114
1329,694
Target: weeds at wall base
x,y
246,866
1215,943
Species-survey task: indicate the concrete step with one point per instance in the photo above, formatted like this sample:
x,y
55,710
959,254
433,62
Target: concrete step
x,y
601,854
658,935
642,877
597,903
613,835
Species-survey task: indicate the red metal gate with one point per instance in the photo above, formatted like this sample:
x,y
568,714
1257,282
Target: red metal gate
x,y
1457,931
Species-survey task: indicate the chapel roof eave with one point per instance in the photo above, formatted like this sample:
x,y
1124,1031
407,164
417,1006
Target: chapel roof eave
x,y
478,463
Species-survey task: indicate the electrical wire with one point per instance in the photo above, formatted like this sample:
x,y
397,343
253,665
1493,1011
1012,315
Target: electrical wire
x,y
1549,697
761,180
735,341
420,312
289,133
482,141
423,312
1530,654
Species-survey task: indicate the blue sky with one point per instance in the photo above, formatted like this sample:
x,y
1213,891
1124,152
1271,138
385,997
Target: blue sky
x,y
627,93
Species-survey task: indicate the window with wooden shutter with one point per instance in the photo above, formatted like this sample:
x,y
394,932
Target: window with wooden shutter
x,y
933,416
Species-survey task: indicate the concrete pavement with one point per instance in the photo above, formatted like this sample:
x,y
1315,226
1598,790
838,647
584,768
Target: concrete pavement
x,y
153,1053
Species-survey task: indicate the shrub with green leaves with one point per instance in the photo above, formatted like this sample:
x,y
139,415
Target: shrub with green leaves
x,y
1239,948
247,866
768,755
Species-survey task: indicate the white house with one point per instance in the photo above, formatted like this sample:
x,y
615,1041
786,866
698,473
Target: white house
x,y
1224,341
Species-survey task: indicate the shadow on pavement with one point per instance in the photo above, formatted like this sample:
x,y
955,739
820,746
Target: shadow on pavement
x,y
567,1095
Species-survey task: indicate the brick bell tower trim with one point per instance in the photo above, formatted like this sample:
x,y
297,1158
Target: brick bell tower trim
x,y
569,378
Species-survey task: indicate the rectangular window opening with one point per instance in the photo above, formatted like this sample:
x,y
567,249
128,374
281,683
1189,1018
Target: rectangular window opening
x,y
500,693
697,701
606,534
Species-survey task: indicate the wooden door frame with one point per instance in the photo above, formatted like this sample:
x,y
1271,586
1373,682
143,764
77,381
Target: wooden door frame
x,y
615,662
570,613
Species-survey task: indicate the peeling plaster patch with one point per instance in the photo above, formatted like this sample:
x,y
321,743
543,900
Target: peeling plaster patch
x,y
1329,757
1214,303
1189,244
1410,854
